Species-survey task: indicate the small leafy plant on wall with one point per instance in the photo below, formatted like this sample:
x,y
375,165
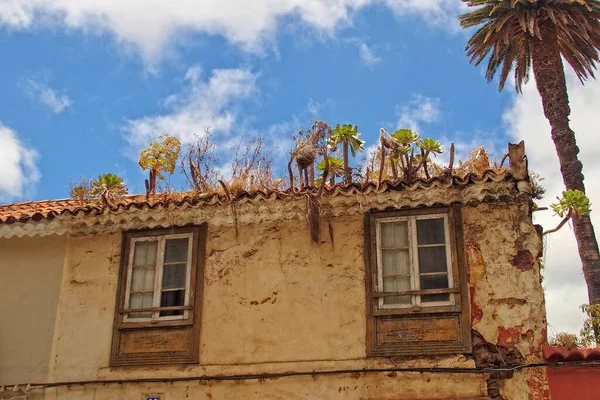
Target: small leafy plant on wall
x,y
107,188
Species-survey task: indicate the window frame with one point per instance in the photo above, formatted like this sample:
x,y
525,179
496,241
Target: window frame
x,y
414,264
458,312
135,342
158,275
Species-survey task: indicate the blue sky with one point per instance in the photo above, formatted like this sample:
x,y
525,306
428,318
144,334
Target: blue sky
x,y
85,85
377,69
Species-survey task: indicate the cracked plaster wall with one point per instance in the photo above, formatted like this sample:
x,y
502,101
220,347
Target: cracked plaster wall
x,y
507,300
273,302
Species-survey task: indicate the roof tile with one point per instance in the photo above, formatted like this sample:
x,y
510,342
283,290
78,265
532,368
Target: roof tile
x,y
49,209
553,353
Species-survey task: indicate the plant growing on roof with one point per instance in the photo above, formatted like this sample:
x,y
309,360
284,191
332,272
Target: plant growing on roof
x,y
198,163
251,167
402,145
159,157
108,187
309,145
394,147
336,170
428,146
566,340
348,136
80,190
519,35
405,137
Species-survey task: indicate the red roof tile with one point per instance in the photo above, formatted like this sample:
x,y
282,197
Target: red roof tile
x,y
49,209
552,353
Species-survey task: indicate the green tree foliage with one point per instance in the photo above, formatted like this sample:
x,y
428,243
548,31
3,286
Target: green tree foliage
x,y
537,35
510,29
591,326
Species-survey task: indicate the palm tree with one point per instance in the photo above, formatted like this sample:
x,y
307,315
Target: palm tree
x,y
522,34
349,137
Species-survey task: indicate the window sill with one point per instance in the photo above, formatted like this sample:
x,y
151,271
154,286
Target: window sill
x,y
417,310
155,324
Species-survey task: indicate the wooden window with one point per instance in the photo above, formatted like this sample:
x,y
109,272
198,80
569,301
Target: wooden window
x,y
416,283
159,297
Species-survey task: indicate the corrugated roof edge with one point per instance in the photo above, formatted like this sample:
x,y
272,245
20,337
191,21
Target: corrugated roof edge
x,y
49,209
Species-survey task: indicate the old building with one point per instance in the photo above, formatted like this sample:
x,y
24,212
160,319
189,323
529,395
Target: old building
x,y
416,290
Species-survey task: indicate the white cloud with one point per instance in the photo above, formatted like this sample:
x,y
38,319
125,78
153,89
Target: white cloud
x,y
367,55
18,170
151,25
564,282
419,110
211,103
314,107
436,12
55,101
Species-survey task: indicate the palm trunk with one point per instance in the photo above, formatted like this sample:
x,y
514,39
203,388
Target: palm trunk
x,y
347,172
551,84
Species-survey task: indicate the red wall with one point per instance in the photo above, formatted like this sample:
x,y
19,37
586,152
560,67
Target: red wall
x,y
574,382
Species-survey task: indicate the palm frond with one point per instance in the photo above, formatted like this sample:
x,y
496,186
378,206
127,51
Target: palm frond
x,y
508,28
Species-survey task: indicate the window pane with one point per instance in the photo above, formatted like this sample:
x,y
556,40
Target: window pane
x,y
145,253
395,262
174,276
142,279
434,282
394,234
430,231
176,250
432,259
430,298
140,300
396,285
171,299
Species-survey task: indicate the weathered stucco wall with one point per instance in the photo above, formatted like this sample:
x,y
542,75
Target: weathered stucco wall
x,y
378,386
276,297
507,301
30,276
86,308
275,303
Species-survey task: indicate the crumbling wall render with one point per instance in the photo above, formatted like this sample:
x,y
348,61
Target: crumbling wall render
x,y
274,302
507,301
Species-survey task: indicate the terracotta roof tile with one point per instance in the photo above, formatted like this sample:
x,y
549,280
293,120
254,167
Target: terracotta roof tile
x,y
552,353
49,209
